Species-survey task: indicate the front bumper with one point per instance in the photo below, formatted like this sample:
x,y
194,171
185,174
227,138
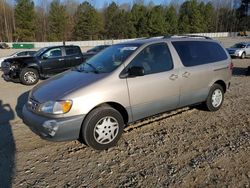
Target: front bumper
x,y
234,54
57,129
6,77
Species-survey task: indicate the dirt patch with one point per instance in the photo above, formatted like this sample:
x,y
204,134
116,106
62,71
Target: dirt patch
x,y
184,148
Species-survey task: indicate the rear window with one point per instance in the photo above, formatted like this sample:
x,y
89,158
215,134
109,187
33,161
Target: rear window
x,y
194,53
72,51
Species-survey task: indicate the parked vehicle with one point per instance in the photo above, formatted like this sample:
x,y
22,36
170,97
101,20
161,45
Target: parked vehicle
x,y
4,45
18,54
45,63
93,51
240,50
125,83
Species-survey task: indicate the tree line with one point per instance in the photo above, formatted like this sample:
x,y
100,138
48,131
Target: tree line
x,y
70,20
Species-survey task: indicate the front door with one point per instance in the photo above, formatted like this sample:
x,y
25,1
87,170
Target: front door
x,y
53,61
73,56
158,90
248,50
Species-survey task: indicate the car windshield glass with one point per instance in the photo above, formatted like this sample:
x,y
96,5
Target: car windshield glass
x,y
109,59
40,52
239,45
14,54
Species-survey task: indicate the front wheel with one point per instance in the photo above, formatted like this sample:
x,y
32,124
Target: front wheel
x,y
29,76
215,98
243,55
102,128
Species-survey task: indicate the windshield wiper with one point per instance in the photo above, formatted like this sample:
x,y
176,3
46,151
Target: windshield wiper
x,y
93,67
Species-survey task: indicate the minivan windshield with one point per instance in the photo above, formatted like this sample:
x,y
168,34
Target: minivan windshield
x,y
239,45
109,59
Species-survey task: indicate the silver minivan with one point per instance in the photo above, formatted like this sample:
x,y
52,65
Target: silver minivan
x,y
125,83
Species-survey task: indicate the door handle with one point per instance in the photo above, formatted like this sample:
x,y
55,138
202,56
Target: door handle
x,y
173,77
186,74
77,57
61,59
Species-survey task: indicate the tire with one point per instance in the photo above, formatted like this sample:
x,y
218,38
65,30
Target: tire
x,y
215,98
243,55
29,76
102,128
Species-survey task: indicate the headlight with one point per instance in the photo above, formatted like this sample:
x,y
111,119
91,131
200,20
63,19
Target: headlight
x,y
238,52
56,107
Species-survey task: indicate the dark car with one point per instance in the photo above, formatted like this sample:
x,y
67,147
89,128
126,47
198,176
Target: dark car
x,y
93,51
46,62
3,45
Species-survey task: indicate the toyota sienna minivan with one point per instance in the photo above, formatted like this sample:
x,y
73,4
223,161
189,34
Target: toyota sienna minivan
x,y
127,82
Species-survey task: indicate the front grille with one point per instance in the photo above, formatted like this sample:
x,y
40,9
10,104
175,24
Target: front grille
x,y
231,52
33,105
5,67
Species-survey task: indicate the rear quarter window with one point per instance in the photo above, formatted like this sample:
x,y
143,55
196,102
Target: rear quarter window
x,y
194,53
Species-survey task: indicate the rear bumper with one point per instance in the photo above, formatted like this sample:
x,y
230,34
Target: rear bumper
x,y
60,129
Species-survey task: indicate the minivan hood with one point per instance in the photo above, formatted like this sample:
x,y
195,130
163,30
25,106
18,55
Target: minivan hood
x,y
57,87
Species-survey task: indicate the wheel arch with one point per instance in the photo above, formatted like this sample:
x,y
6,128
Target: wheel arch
x,y
117,106
222,84
32,66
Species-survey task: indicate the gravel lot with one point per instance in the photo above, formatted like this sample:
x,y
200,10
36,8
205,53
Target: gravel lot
x,y
183,148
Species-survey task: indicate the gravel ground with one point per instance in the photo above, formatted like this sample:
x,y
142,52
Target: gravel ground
x,y
183,148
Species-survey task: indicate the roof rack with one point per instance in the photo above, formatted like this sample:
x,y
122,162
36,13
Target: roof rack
x,y
187,36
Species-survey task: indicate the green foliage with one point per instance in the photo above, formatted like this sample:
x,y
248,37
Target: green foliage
x,y
25,20
57,21
139,18
111,18
157,24
209,17
88,23
69,20
191,18
118,23
172,20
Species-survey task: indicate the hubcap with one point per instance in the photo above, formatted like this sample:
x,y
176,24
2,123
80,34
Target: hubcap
x,y
106,130
30,77
217,98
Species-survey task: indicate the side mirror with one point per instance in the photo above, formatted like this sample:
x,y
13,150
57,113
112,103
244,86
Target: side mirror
x,y
136,71
44,57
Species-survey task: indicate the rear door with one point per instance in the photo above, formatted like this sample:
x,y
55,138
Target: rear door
x,y
73,56
52,61
158,90
197,72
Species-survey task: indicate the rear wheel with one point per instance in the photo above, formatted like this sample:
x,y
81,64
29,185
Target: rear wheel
x,y
29,76
215,98
102,128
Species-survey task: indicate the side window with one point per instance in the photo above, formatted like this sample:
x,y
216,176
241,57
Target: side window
x,y
248,46
155,58
22,54
194,53
53,53
72,51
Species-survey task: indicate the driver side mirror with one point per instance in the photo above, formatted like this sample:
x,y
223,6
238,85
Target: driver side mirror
x,y
136,71
132,72
44,57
